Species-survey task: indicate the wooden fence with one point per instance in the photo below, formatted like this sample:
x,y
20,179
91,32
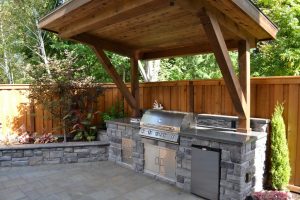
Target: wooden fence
x,y
200,96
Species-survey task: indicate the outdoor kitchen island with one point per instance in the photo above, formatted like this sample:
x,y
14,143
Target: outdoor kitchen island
x,y
238,168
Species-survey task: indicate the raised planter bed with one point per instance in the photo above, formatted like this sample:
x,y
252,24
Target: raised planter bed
x,y
53,153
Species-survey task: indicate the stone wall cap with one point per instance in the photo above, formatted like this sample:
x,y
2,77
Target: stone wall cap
x,y
229,117
223,135
53,145
123,121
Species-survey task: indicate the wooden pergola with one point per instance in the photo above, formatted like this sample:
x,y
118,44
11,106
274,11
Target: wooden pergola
x,y
151,29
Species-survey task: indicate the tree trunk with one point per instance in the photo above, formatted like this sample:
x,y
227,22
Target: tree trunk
x,y
151,70
5,66
42,47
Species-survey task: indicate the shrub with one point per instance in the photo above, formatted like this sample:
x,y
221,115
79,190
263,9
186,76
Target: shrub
x,y
115,111
64,91
280,167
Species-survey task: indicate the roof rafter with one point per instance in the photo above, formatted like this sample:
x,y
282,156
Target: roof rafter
x,y
196,6
179,51
111,16
105,44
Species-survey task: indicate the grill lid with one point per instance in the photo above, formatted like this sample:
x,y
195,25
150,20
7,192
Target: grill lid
x,y
167,120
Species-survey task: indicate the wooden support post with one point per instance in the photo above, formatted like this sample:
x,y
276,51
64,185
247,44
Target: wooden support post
x,y
216,38
244,78
135,86
114,75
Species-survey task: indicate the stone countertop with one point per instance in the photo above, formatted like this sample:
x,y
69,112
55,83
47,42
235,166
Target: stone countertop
x,y
123,121
222,135
53,145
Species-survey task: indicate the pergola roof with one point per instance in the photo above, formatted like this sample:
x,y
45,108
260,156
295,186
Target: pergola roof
x,y
149,29
157,28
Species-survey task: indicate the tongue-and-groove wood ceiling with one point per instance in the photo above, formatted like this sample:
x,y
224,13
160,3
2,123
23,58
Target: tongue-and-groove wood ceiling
x,y
157,28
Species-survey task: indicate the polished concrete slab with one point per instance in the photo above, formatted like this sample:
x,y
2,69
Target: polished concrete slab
x,y
84,181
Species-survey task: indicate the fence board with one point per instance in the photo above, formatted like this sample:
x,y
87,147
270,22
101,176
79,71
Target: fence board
x,y
200,96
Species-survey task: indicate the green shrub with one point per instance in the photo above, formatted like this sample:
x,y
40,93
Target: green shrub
x,y
280,167
116,111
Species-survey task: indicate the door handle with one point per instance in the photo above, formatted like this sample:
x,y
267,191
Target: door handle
x,y
157,160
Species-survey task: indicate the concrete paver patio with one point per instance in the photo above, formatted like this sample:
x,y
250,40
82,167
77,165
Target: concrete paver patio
x,y
86,181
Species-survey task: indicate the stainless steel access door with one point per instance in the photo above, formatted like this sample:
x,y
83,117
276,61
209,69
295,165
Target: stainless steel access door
x,y
205,173
167,163
151,159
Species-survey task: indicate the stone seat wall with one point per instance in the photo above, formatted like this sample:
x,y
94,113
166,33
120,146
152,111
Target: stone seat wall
x,y
54,153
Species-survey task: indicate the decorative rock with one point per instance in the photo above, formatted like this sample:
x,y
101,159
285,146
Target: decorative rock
x,y
37,152
19,163
69,155
5,164
17,154
70,160
28,153
5,158
36,160
56,154
52,161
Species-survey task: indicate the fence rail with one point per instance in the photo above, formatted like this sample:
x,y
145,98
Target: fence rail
x,y
199,96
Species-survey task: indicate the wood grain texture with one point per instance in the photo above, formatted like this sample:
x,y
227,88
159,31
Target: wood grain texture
x,y
157,26
115,76
265,92
214,34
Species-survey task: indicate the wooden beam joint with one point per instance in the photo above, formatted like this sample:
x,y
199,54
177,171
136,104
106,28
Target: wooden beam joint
x,y
115,76
238,90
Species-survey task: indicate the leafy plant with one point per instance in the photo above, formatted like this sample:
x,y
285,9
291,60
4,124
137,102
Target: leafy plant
x,y
280,166
83,128
26,138
115,111
46,138
64,92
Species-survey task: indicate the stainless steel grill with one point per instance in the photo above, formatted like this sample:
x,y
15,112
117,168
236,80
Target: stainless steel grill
x,y
164,125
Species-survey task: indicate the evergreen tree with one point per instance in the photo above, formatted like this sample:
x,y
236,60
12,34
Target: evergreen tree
x,y
280,166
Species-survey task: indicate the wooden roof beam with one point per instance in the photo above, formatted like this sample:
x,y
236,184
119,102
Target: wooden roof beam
x,y
107,17
105,44
248,9
104,60
215,36
196,6
183,51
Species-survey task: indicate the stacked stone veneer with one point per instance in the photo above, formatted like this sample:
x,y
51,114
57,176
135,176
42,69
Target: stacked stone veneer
x,y
55,153
242,165
115,132
231,122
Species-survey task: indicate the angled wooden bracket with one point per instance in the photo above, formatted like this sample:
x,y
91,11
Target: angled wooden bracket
x,y
115,76
236,91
